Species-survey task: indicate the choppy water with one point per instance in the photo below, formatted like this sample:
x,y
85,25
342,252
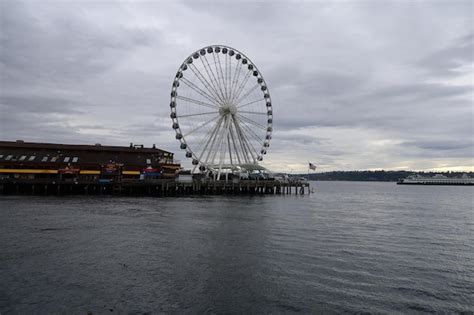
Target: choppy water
x,y
349,247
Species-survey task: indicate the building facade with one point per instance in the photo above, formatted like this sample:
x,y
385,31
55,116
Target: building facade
x,y
81,163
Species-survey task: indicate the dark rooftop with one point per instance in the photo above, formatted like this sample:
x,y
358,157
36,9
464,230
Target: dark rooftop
x,y
30,154
96,147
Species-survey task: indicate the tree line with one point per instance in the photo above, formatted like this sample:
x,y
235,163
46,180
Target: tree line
x,y
376,176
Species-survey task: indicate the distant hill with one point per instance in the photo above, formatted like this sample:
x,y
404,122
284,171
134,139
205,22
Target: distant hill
x,y
375,176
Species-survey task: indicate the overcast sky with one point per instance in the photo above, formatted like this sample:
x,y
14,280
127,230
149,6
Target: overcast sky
x,y
354,84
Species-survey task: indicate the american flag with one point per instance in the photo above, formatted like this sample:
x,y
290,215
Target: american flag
x,y
312,166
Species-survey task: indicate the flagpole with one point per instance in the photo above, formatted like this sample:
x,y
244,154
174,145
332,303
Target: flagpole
x,y
309,189
308,172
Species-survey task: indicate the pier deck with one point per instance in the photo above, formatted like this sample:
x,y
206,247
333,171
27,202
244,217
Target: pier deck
x,y
158,187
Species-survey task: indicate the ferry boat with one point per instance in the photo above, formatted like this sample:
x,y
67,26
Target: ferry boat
x,y
438,179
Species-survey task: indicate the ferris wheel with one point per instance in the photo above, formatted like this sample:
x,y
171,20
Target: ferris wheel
x,y
221,109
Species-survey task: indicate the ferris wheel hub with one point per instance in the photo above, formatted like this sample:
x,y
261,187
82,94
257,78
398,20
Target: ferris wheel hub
x,y
230,109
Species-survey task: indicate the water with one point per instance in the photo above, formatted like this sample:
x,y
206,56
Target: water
x,y
349,247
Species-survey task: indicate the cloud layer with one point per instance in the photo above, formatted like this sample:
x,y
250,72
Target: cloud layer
x,y
354,85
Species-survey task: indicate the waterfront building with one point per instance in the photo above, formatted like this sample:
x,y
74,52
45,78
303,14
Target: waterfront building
x,y
69,162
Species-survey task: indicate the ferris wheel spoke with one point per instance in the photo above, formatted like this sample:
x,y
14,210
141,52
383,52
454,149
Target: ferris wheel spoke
x,y
235,80
218,78
211,151
256,86
258,140
211,141
204,143
253,122
200,91
230,77
243,148
252,150
240,141
223,148
218,144
250,103
230,150
241,86
221,142
191,100
252,113
223,79
204,82
234,144
228,68
200,126
199,114
211,77
246,141
205,137
225,76
251,132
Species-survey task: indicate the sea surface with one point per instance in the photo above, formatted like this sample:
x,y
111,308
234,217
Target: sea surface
x,y
348,247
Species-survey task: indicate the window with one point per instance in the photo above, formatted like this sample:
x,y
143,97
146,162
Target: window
x,y
148,161
32,158
8,158
75,159
66,159
22,158
54,159
45,159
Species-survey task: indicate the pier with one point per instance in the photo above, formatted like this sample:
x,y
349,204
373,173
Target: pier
x,y
152,188
63,169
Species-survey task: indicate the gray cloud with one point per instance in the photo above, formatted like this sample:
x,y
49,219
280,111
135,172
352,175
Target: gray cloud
x,y
450,60
38,105
354,85
441,148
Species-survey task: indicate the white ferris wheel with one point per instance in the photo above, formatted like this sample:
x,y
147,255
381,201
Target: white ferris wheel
x,y
221,109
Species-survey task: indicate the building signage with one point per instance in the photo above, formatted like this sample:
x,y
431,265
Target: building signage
x,y
69,170
111,168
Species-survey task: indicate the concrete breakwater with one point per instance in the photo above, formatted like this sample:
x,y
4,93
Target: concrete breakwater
x,y
158,188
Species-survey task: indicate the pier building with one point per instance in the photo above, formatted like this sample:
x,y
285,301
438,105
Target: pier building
x,y
69,162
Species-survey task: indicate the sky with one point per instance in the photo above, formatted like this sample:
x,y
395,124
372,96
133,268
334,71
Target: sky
x,y
355,85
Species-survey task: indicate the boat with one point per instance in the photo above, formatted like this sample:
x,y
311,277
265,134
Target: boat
x,y
437,179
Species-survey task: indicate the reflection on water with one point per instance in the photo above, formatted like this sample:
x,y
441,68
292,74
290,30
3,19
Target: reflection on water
x,y
349,247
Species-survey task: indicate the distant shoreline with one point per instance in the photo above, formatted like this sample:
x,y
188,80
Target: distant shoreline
x,y
373,176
